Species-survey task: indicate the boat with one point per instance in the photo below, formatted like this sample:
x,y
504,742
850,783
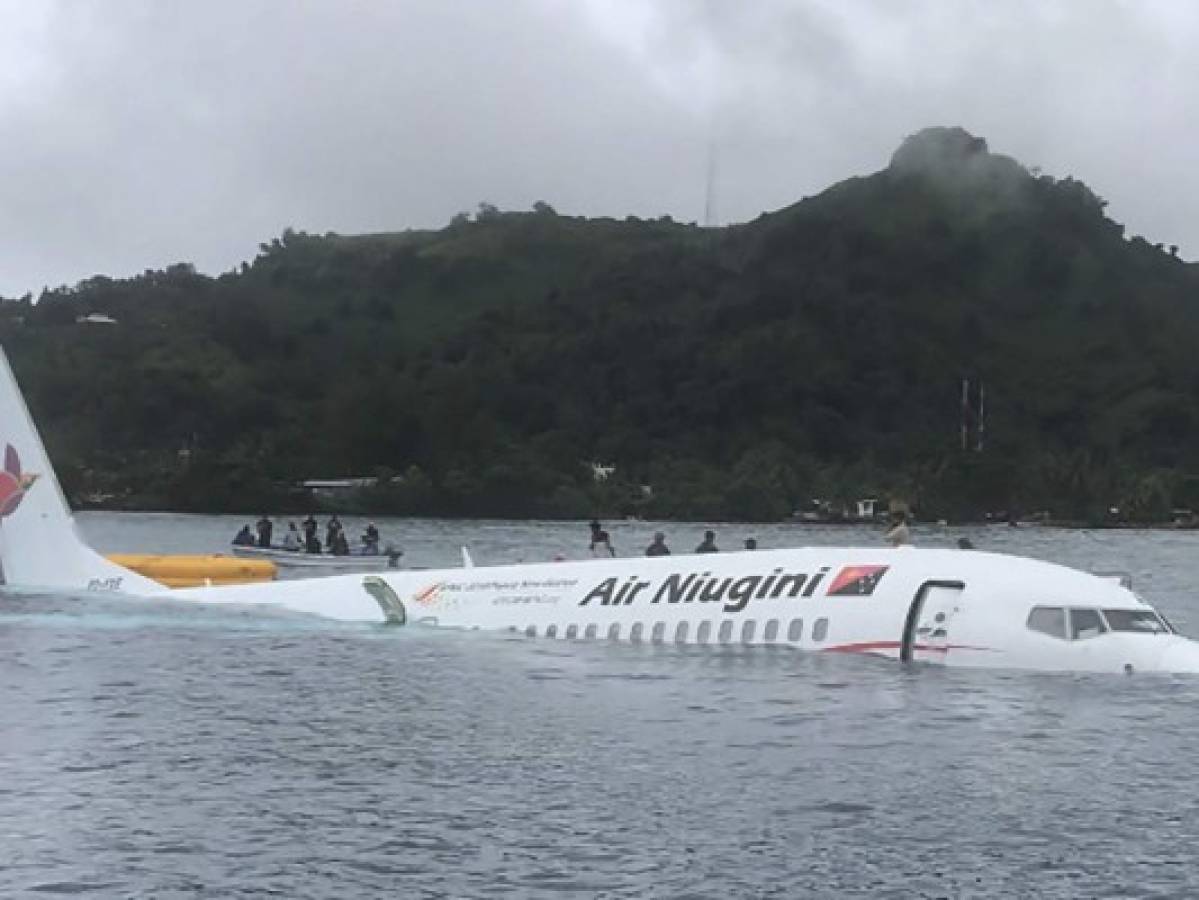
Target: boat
x,y
300,559
906,605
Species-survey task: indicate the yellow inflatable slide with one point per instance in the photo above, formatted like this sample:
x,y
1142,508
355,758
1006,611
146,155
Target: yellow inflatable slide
x,y
196,570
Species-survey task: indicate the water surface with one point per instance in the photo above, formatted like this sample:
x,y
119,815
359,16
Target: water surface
x,y
154,749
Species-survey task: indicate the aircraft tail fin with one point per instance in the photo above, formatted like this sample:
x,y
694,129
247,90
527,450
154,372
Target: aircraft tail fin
x,y
39,543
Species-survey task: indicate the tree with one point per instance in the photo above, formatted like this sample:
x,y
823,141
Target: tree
x,y
736,372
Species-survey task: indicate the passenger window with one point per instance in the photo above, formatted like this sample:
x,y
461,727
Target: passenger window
x,y
531,631
795,631
659,632
591,631
1050,620
635,632
551,630
726,631
747,631
680,633
704,633
572,632
1085,623
614,631
820,630
770,635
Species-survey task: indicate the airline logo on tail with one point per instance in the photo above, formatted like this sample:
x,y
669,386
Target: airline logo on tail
x,y
13,482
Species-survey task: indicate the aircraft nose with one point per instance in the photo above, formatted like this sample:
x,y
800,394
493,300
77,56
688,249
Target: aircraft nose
x,y
1181,657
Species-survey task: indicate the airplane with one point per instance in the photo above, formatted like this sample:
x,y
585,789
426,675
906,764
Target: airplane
x,y
943,606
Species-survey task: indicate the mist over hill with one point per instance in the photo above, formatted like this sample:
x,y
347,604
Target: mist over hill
x,y
817,351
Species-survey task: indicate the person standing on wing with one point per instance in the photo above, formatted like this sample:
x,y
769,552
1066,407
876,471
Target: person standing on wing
x,y
658,547
600,540
898,535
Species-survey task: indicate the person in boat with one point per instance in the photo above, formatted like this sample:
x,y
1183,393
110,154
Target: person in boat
x,y
370,540
658,547
311,544
708,544
243,538
600,542
751,543
331,531
265,527
291,540
309,525
898,534
341,547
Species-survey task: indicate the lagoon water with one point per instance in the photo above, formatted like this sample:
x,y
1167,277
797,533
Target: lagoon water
x,y
161,750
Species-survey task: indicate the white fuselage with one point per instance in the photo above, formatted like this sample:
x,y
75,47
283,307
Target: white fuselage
x,y
945,606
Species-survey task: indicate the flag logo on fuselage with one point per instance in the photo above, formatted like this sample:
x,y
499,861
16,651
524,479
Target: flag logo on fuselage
x,y
429,595
856,581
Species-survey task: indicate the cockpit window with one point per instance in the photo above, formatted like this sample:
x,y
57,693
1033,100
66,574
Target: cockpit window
x,y
1050,620
1143,621
1085,623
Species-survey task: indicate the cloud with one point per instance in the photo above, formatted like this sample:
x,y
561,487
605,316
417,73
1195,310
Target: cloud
x,y
803,93
160,132
147,132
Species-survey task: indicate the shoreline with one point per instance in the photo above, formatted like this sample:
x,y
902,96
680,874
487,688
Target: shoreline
x,y
1065,524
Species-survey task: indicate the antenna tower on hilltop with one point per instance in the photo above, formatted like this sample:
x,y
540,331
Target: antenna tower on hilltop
x,y
710,190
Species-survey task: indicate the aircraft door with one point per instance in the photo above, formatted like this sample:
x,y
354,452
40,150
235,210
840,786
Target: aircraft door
x,y
929,622
389,602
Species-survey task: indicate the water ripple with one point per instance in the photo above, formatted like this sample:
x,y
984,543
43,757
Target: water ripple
x,y
165,751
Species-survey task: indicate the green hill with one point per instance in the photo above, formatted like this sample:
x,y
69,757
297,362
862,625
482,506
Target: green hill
x,y
817,351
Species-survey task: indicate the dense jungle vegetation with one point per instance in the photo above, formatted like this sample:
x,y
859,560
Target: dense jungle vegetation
x,y
815,352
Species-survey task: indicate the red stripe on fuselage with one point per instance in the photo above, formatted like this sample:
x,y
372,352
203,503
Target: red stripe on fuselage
x,y
864,647
876,646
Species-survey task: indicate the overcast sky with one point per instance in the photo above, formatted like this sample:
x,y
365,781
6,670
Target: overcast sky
x,y
140,133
